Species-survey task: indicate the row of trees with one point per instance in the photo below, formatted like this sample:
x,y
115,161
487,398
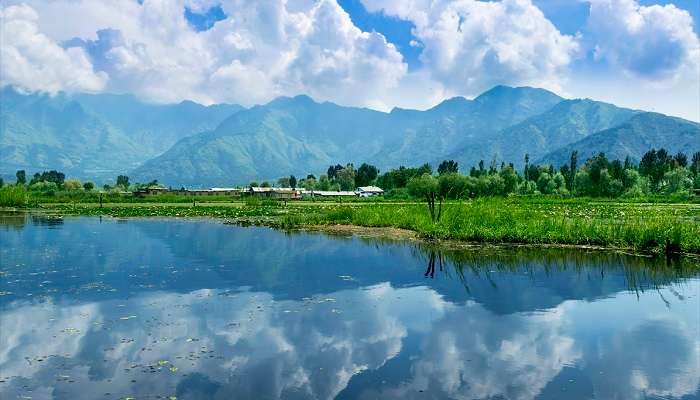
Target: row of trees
x,y
336,178
52,181
657,173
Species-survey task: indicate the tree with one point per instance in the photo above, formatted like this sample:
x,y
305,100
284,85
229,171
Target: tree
x,y
677,180
52,176
21,177
527,165
366,174
510,179
448,167
88,186
265,184
695,164
680,160
310,183
582,184
655,164
565,171
2,182
424,169
545,183
253,184
323,183
72,185
346,178
595,166
560,184
283,181
123,181
633,184
573,161
333,171
426,186
453,185
292,182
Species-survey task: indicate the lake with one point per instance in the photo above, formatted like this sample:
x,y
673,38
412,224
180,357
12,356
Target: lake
x,y
95,308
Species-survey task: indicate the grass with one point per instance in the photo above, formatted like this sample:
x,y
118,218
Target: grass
x,y
642,227
13,196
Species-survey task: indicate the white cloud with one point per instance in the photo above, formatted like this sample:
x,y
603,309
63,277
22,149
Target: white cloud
x,y
260,51
650,42
471,45
33,61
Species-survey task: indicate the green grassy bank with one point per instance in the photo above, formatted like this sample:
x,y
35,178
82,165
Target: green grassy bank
x,y
638,226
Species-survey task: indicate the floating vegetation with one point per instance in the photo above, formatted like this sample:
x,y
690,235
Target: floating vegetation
x,y
656,228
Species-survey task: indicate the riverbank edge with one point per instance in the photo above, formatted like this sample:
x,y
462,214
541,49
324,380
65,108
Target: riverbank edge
x,y
407,235
379,232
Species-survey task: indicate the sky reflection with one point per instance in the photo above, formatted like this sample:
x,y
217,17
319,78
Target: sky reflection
x,y
250,326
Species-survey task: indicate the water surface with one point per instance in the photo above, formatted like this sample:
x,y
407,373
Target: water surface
x,y
96,308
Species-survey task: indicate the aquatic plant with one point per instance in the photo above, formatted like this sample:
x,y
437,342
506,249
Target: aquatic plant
x,y
13,196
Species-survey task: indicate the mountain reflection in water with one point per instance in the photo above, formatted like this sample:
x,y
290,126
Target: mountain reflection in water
x,y
196,309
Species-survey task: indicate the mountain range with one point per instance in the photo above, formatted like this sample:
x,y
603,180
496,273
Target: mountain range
x,y
98,136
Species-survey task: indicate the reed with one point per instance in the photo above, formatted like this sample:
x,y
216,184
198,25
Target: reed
x,y
13,196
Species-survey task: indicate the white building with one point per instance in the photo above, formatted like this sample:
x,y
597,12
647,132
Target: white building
x,y
327,193
369,191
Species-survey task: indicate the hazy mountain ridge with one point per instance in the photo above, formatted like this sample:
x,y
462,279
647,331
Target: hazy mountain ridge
x,y
96,136
567,122
93,136
633,138
299,136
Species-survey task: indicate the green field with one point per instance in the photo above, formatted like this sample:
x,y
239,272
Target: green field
x,y
643,227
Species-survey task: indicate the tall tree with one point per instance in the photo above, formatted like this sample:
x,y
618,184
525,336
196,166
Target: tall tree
x,y
654,164
695,163
366,174
527,166
48,176
293,181
346,178
573,161
333,171
123,180
21,177
283,181
680,159
448,167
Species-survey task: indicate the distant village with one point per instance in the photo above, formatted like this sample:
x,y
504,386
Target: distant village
x,y
280,193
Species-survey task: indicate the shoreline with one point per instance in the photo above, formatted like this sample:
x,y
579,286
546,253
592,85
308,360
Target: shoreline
x,y
313,219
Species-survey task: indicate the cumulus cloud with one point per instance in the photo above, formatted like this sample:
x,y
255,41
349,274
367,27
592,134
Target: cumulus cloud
x,y
472,45
260,51
651,42
33,61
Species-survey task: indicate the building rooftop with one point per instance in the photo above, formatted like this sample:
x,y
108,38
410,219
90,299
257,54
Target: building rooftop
x,y
373,189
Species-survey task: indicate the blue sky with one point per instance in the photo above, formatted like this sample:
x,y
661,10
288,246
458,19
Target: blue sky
x,y
569,16
371,53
